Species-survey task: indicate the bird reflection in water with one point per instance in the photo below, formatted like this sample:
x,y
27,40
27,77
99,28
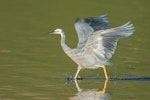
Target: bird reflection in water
x,y
91,94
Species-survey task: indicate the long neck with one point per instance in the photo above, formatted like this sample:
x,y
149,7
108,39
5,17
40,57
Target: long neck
x,y
63,44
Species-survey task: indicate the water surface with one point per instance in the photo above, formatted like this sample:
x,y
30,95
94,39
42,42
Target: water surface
x,y
34,67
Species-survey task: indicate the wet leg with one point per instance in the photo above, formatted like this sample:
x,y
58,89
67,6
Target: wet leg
x,y
105,72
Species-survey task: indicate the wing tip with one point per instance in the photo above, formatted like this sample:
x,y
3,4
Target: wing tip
x,y
129,27
77,20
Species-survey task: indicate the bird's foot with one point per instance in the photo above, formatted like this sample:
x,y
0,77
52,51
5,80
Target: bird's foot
x,y
102,91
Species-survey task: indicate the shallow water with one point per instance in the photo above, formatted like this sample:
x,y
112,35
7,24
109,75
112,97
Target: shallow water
x,y
89,88
34,67
112,90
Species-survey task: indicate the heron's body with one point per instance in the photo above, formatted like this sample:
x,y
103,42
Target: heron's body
x,y
83,59
88,61
96,43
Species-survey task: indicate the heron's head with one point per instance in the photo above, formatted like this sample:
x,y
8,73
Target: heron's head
x,y
57,31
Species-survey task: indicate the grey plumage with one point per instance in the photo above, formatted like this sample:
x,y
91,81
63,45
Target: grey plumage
x,y
88,25
96,42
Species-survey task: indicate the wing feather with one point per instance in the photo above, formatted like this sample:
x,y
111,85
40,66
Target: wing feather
x,y
83,30
99,22
86,26
102,44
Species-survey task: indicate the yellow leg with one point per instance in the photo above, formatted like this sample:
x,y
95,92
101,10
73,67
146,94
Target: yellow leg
x,y
104,88
78,70
77,86
105,72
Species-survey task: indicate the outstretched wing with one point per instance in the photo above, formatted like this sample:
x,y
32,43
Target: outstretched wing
x,y
102,44
89,25
100,22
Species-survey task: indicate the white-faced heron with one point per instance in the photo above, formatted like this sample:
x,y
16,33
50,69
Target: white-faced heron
x,y
96,42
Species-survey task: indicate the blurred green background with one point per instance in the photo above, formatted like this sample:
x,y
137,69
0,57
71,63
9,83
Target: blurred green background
x,y
29,57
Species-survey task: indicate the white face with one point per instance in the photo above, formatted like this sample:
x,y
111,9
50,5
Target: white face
x,y
58,31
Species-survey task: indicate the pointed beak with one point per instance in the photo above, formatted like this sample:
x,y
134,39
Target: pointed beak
x,y
51,32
